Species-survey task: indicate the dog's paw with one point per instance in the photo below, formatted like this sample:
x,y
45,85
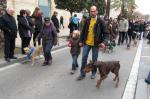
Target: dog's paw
x,y
97,86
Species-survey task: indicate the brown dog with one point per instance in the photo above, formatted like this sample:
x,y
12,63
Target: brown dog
x,y
104,68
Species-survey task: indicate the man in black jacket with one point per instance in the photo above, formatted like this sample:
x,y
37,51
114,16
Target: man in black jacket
x,y
93,36
8,25
55,21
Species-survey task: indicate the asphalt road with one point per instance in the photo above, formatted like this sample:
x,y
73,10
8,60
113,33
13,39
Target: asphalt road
x,y
23,81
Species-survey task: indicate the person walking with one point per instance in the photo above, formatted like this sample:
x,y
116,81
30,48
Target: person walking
x,y
49,39
93,36
73,24
123,26
75,50
8,25
62,22
55,21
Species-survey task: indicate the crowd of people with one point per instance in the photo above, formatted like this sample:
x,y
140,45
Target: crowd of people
x,y
91,33
29,26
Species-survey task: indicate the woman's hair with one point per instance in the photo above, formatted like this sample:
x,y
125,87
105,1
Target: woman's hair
x,y
22,12
37,12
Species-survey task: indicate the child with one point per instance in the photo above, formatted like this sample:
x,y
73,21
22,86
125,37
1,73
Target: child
x,y
48,35
75,49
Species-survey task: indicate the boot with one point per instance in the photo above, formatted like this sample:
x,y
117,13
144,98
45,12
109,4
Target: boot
x,y
147,80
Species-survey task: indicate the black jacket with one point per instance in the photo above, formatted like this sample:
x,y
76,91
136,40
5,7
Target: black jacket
x,y
38,23
8,25
23,26
100,32
55,22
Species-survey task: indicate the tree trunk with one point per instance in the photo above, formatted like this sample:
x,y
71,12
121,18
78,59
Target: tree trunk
x,y
108,7
123,8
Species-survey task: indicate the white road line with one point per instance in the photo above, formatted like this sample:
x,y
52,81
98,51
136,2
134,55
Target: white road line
x,y
132,81
17,64
145,56
10,66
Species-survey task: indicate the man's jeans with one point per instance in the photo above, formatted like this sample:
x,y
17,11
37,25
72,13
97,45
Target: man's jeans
x,y
85,53
74,62
47,51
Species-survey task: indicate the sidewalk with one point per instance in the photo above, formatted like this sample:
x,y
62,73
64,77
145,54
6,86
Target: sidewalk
x,y
62,43
62,36
143,89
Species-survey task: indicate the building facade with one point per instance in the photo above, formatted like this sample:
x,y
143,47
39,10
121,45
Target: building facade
x,y
45,5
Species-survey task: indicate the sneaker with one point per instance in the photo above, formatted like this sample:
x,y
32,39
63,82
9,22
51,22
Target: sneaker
x,y
72,72
93,77
80,78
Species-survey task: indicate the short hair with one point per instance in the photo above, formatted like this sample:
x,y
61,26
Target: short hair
x,y
75,15
22,12
55,12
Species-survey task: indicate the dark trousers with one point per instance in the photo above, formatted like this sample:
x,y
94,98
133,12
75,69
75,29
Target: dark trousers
x,y
130,38
25,43
47,51
85,53
9,47
122,36
34,38
61,24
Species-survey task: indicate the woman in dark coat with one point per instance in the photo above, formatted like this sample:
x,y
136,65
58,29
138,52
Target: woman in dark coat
x,y
37,15
25,28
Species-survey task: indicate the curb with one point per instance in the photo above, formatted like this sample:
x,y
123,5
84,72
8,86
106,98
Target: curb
x,y
3,63
130,88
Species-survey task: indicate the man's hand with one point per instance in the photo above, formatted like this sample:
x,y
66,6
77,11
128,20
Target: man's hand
x,y
81,44
102,45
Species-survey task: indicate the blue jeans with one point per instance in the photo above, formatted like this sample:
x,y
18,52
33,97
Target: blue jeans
x,y
47,51
74,62
85,53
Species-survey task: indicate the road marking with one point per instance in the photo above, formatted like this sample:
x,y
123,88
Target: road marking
x,y
10,66
132,81
146,47
41,56
145,56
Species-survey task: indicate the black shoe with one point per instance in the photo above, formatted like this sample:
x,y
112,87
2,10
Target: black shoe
x,y
7,59
45,64
147,81
80,77
13,57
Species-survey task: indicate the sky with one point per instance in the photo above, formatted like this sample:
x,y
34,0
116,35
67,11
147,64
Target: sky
x,y
143,6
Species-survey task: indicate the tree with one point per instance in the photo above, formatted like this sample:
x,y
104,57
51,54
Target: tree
x,y
126,6
108,7
3,5
79,5
70,5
